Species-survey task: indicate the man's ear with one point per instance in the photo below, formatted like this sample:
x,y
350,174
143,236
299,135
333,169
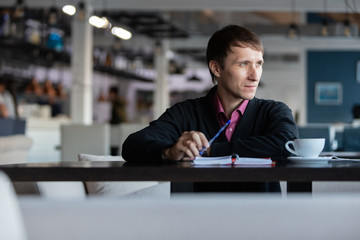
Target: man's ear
x,y
215,68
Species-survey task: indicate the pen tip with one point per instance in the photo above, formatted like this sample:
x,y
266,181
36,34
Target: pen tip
x,y
228,121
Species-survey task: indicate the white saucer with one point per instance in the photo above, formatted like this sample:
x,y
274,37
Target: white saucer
x,y
302,160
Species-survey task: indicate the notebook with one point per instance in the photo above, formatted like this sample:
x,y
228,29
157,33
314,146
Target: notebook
x,y
232,159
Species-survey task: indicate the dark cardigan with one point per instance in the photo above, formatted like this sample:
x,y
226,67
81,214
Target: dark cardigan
x,y
262,131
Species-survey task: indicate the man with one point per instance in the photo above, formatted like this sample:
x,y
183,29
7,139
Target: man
x,y
118,112
118,105
7,104
258,128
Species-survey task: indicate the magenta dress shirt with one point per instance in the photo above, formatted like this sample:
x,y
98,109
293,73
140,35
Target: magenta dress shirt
x,y
235,115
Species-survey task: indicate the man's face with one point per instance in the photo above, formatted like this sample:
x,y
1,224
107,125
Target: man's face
x,y
241,74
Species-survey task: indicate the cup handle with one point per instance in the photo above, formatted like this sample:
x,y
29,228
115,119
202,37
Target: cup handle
x,y
287,146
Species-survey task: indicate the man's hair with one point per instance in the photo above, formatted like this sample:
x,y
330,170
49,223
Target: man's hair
x,y
221,41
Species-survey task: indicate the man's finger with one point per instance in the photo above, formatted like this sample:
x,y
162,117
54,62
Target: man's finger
x,y
204,141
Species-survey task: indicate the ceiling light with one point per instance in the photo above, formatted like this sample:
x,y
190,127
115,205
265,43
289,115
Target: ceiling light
x,y
69,10
99,22
121,33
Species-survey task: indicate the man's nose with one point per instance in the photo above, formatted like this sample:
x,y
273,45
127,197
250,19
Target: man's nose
x,y
254,72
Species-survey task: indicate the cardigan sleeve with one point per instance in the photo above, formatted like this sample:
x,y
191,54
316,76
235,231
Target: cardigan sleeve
x,y
148,143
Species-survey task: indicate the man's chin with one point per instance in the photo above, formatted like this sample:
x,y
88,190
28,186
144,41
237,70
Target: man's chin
x,y
248,96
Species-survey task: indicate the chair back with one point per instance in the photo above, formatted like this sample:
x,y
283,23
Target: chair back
x,y
9,126
89,139
317,132
11,222
14,148
125,189
351,139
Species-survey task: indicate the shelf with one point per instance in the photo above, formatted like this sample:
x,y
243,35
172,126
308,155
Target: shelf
x,y
122,74
18,50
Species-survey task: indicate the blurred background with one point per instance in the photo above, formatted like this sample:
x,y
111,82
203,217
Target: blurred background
x,y
60,58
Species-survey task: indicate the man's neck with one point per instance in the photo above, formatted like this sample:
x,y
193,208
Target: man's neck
x,y
229,103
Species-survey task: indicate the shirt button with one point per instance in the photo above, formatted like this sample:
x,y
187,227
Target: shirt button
x,y
230,129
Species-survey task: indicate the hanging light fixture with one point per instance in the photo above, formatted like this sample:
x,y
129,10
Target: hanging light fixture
x,y
100,22
324,24
347,32
104,12
81,10
324,28
293,31
346,22
19,11
53,16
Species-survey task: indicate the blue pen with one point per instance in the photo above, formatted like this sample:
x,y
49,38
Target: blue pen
x,y
216,135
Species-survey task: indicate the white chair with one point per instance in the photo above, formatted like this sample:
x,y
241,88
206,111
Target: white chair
x,y
51,190
91,139
11,222
79,138
125,189
14,148
61,190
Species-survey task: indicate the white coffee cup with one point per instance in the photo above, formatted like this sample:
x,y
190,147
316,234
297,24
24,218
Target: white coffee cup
x,y
306,147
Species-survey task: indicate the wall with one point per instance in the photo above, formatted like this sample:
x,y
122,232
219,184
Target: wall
x,y
332,66
281,81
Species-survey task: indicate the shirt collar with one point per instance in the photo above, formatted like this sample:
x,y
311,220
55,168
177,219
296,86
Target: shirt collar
x,y
220,110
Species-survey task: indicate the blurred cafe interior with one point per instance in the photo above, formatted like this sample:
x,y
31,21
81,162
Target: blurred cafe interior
x,y
60,66
60,58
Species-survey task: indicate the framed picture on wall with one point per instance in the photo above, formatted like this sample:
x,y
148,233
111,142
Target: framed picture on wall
x,y
328,93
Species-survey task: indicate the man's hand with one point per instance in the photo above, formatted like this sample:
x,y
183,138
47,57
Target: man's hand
x,y
188,146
